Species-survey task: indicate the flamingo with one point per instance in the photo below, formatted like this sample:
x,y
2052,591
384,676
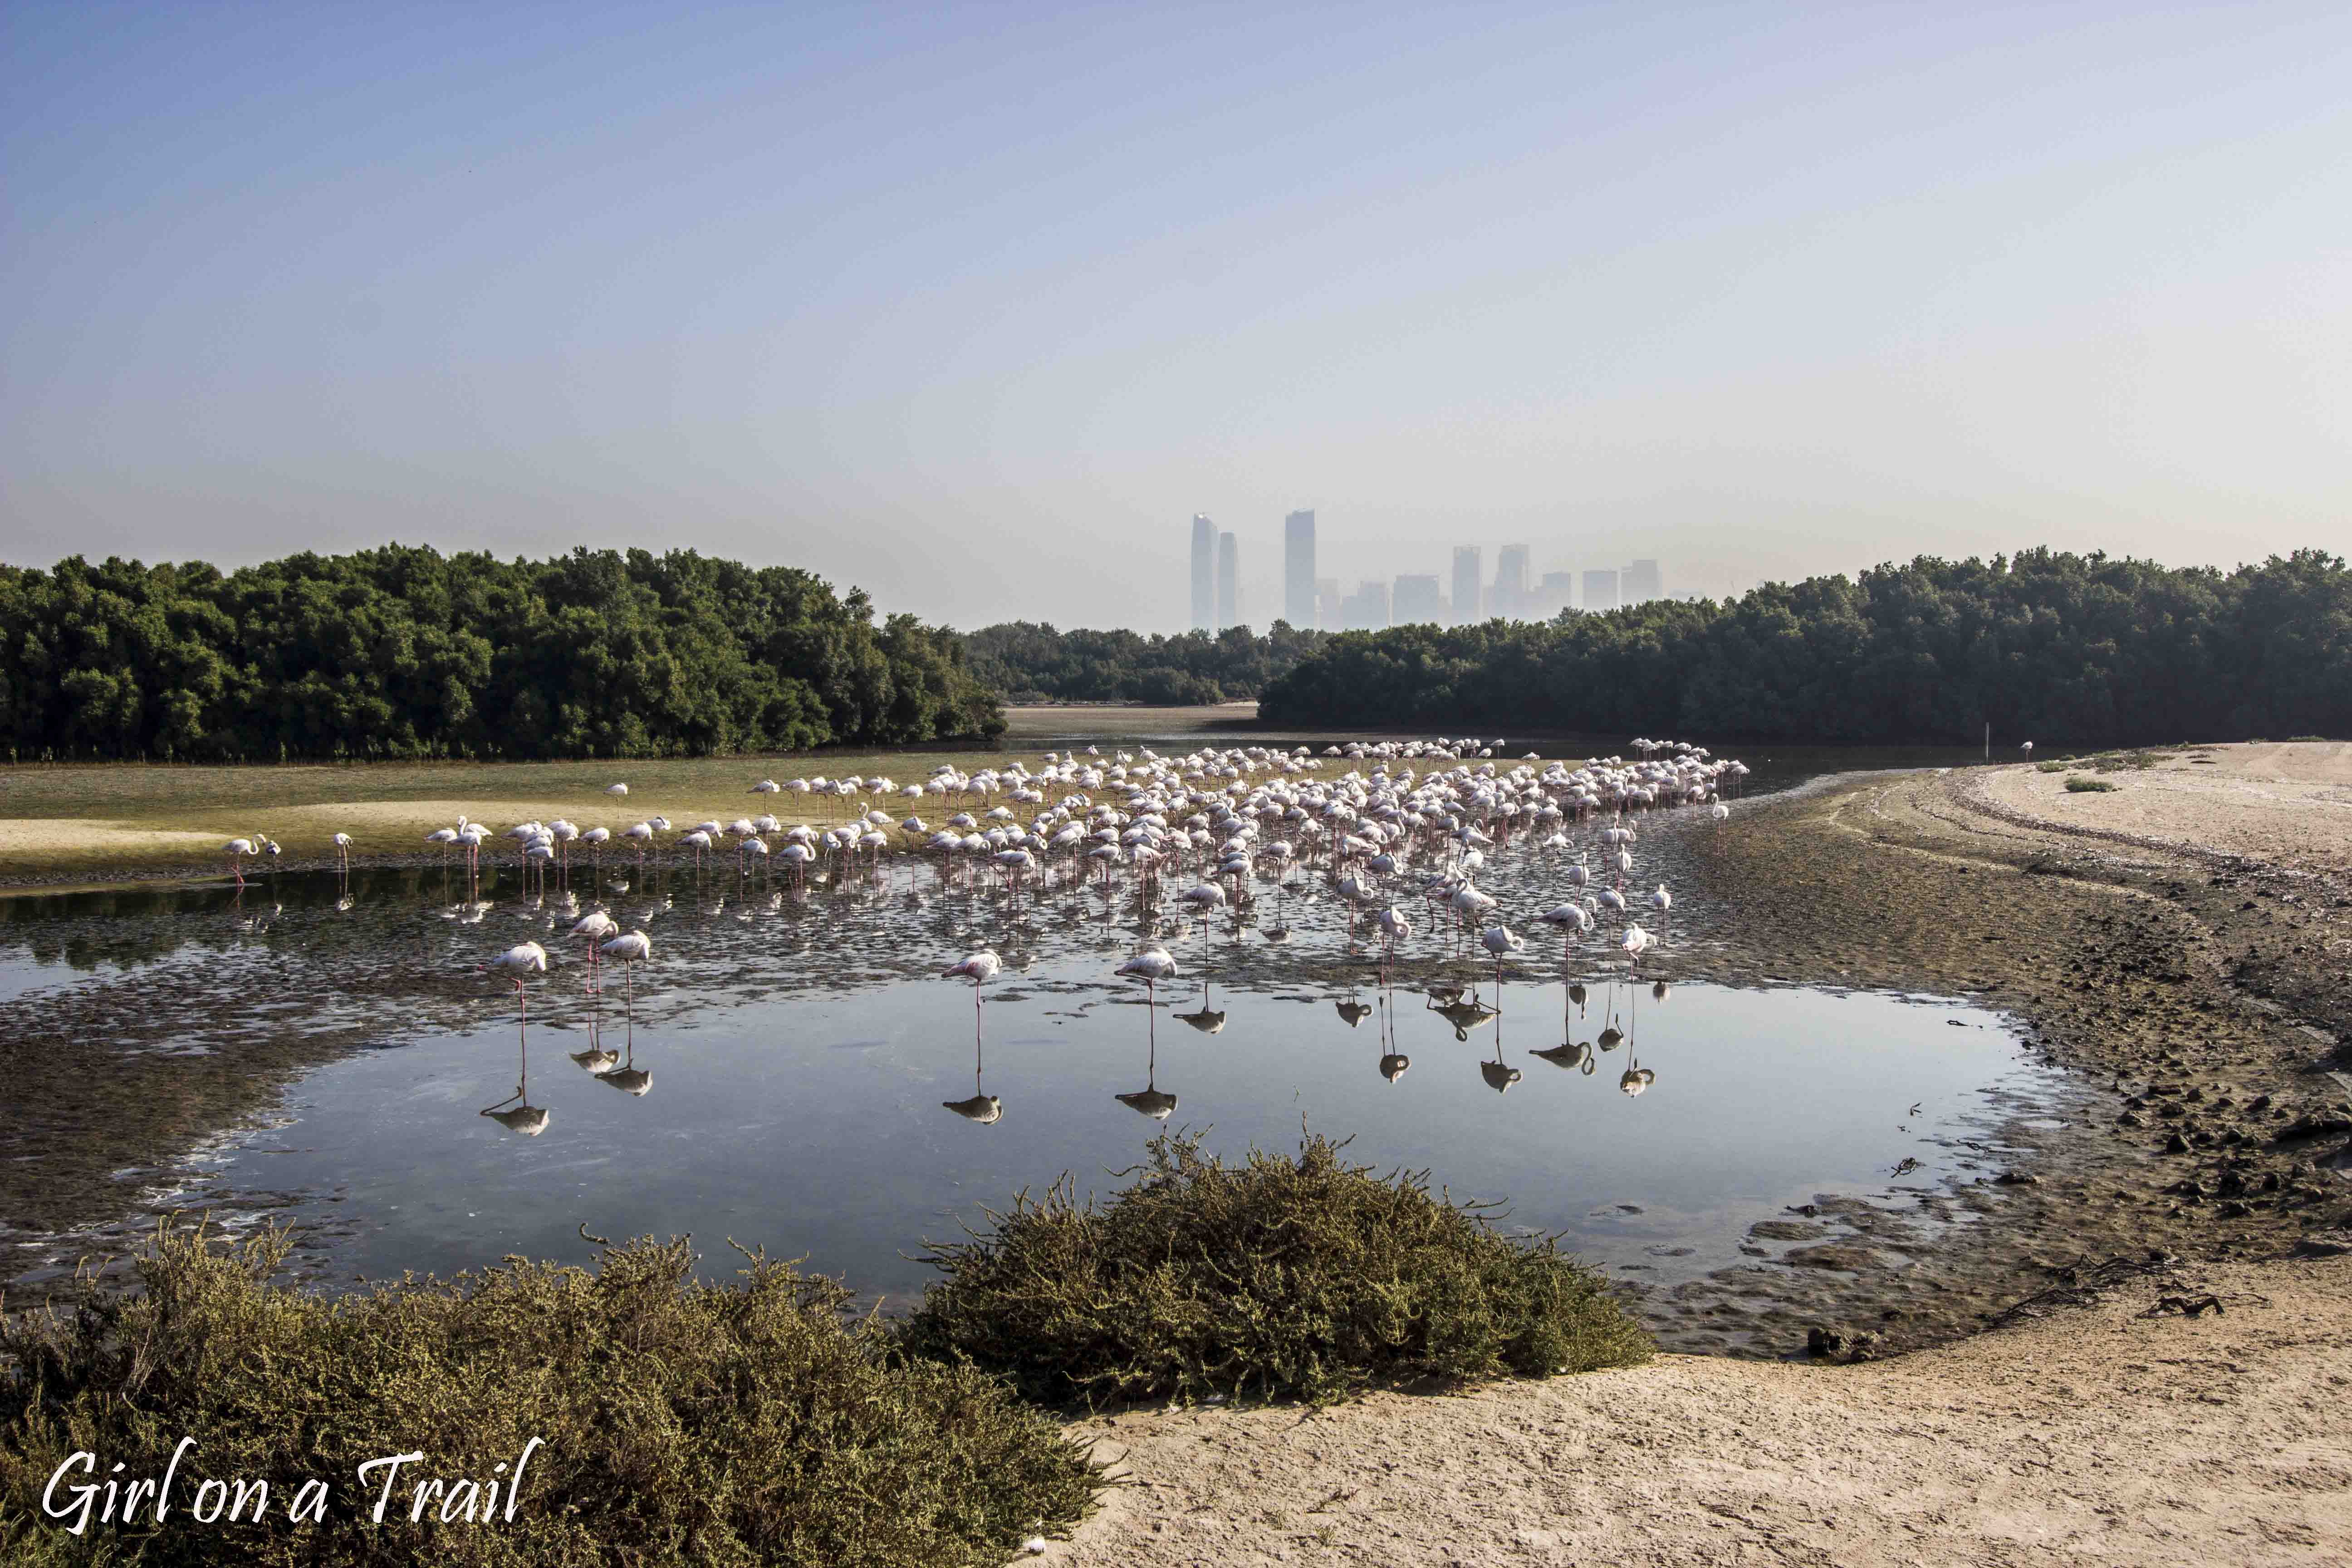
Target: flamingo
x,y
1502,942
236,849
980,968
618,791
1152,966
343,842
635,947
594,927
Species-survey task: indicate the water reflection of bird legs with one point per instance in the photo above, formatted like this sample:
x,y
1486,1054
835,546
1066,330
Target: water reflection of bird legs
x,y
1393,1062
1151,1100
1499,1077
982,1107
516,1113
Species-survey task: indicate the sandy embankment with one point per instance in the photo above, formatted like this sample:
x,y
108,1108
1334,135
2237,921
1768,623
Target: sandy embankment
x,y
2091,1432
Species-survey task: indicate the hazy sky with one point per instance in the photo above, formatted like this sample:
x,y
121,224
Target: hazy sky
x,y
976,306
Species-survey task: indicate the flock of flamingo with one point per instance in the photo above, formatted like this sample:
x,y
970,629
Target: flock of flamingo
x,y
1398,832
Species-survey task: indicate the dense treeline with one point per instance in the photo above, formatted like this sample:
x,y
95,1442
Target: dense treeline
x,y
2067,649
403,652
1027,661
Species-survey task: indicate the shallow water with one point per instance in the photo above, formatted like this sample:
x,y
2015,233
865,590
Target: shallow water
x,y
796,1048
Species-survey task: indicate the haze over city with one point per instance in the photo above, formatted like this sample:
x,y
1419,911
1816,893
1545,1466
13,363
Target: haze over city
x,y
976,308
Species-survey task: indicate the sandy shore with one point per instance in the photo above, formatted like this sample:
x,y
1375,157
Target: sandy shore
x,y
2180,942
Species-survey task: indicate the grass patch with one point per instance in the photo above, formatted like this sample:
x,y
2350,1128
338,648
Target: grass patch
x,y
745,1423
2079,785
2319,737
1307,1278
2054,765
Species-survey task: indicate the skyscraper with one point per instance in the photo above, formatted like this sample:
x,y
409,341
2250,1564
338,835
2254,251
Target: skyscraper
x,y
1204,573
1229,571
1299,570
1556,593
1366,609
1510,600
1466,584
1642,583
1417,602
1327,603
1599,591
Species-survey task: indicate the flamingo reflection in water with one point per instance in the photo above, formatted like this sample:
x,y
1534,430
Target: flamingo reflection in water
x,y
1393,1062
516,1113
1499,1076
1203,1019
1570,1052
1151,1100
982,1107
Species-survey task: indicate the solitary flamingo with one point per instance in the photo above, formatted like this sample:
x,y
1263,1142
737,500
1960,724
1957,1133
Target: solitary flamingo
x,y
1152,966
631,948
980,968
344,851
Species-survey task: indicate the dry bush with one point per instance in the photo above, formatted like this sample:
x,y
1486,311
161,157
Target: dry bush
x,y
1305,1277
740,1423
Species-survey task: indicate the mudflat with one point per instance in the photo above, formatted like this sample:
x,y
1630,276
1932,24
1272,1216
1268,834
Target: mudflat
x,y
2180,942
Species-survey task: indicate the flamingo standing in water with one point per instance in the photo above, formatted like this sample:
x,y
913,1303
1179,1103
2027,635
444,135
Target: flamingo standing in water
x,y
593,928
343,842
1152,966
236,849
630,948
980,968
525,1118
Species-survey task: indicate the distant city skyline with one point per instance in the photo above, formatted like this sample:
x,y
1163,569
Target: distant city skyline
x,y
1312,601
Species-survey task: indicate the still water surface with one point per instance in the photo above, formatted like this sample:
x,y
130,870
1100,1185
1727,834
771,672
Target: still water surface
x,y
796,1054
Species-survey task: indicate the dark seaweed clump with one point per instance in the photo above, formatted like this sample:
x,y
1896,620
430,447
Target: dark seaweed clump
x,y
1301,1277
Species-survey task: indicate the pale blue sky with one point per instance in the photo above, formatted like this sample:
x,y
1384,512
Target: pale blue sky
x,y
974,306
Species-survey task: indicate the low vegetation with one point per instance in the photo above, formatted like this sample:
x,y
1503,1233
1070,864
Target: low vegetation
x,y
2084,784
1307,1277
751,1422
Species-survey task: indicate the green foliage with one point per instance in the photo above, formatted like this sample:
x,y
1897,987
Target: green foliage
x,y
682,1421
2069,649
1307,1277
2055,765
1234,665
402,652
2083,785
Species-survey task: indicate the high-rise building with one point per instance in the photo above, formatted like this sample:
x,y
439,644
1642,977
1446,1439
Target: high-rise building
x,y
1204,573
1642,583
1299,570
1466,584
1229,575
1327,603
1599,591
1417,602
1366,609
1556,593
1510,597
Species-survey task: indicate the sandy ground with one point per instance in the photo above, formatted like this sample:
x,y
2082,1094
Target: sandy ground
x,y
2182,933
2289,804
2096,1435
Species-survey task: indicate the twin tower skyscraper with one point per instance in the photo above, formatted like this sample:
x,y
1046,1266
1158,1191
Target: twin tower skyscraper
x,y
1216,573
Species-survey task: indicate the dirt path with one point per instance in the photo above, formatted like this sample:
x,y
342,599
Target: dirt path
x,y
2181,942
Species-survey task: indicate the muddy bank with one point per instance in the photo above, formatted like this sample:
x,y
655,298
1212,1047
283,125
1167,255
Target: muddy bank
x,y
2191,991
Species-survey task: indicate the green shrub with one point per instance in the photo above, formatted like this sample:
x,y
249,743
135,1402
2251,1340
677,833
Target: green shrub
x,y
682,1421
1307,1277
2080,785
2054,765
